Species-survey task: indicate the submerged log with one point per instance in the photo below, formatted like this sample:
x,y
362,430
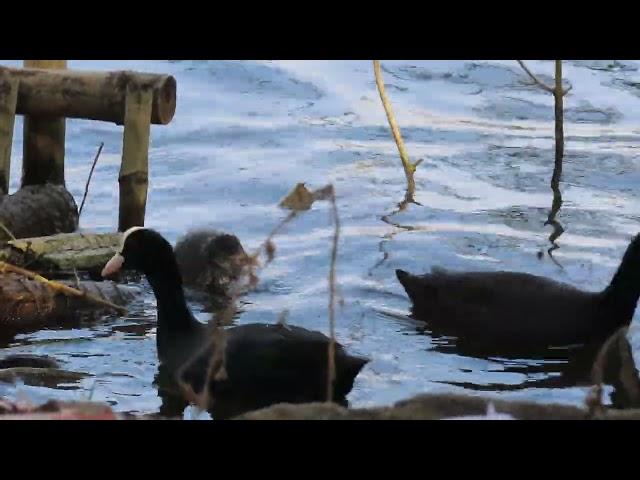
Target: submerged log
x,y
64,252
28,304
38,210
90,95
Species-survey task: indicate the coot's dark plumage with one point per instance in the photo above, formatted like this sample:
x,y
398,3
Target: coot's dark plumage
x,y
519,308
274,362
209,260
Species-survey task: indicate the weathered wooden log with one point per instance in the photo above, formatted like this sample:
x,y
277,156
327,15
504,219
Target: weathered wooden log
x,y
8,98
38,210
43,144
64,252
26,304
90,95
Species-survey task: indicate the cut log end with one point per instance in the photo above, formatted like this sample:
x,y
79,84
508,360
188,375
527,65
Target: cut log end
x,y
89,95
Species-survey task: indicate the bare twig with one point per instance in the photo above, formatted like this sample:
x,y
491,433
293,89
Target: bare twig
x,y
60,287
86,188
535,79
558,94
409,168
331,370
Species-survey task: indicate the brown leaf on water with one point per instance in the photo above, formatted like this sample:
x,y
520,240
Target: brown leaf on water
x,y
300,198
270,248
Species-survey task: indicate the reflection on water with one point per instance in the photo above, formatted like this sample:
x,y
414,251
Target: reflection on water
x,y
554,368
552,219
246,132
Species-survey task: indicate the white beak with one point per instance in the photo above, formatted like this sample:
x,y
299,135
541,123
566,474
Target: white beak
x,y
114,265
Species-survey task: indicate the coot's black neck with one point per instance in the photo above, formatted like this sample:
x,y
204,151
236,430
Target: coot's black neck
x,y
623,292
166,282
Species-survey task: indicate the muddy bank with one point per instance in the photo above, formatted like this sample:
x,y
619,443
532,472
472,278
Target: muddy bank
x,y
435,407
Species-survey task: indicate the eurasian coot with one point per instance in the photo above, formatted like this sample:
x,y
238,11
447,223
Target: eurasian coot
x,y
276,363
524,309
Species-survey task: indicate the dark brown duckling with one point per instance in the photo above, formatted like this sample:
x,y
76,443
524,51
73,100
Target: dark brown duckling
x,y
210,261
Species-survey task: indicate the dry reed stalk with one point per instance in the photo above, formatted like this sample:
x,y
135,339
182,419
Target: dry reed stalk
x,y
409,168
558,95
331,357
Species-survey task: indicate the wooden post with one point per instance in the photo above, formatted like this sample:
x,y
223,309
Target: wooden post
x,y
8,100
43,144
134,176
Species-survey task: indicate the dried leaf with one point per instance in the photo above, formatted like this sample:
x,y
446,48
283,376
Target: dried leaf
x,y
300,198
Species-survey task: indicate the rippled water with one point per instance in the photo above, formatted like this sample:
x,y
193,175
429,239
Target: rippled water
x,y
245,132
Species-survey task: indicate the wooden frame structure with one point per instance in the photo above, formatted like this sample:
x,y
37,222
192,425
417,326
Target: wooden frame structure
x,y
47,95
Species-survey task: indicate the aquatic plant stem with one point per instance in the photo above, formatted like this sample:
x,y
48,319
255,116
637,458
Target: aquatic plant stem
x,y
558,97
331,365
409,168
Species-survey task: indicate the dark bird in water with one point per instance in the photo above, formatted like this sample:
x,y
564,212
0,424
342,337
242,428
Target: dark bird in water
x,y
523,309
210,261
264,363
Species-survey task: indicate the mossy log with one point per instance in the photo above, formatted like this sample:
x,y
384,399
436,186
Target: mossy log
x,y
36,211
64,252
90,95
27,304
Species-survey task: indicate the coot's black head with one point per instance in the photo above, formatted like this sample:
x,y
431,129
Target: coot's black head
x,y
143,250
